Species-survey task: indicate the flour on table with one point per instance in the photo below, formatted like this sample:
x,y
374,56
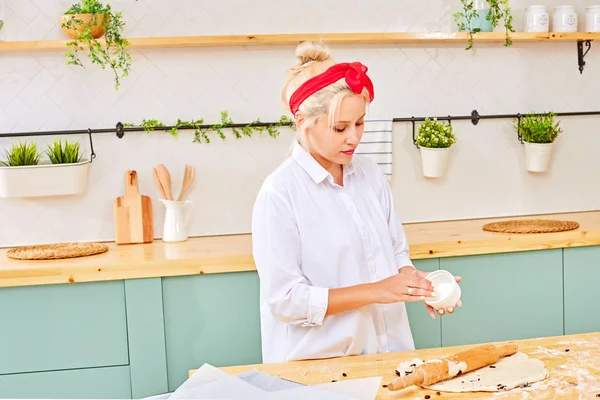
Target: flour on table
x,y
408,367
508,373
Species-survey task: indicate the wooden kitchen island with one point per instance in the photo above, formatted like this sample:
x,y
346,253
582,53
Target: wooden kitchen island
x,y
573,362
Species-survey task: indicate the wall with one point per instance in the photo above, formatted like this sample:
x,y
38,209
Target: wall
x,y
487,176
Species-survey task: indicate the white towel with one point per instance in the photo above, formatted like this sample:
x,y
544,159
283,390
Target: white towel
x,y
376,143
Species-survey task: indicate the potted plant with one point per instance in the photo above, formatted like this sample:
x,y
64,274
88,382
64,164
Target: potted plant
x,y
538,132
483,16
434,140
23,173
87,21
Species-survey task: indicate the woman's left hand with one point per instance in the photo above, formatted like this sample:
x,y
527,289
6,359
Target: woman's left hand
x,y
441,311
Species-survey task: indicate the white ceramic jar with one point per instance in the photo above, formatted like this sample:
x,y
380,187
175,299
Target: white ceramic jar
x,y
592,19
536,19
564,19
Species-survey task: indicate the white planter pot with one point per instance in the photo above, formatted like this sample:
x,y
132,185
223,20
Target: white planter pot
x,y
44,180
538,156
434,161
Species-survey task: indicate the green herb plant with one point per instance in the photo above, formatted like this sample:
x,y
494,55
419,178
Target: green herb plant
x,y
21,154
201,131
113,53
64,154
498,10
435,135
538,128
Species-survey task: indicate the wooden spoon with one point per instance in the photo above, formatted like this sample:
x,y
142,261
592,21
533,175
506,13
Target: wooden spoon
x,y
188,178
165,180
158,183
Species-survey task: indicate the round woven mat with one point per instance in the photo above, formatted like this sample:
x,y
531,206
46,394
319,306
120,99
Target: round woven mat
x,y
531,226
56,251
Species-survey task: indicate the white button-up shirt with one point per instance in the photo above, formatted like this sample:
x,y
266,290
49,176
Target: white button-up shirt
x,y
309,235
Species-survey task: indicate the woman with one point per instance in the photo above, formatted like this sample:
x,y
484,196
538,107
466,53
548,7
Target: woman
x,y
330,251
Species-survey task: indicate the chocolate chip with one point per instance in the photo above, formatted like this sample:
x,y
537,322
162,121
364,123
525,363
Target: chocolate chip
x,y
438,393
427,396
384,386
397,373
567,350
598,395
413,365
459,373
344,374
408,372
492,366
334,380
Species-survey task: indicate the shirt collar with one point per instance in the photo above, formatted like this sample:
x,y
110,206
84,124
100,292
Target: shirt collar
x,y
313,168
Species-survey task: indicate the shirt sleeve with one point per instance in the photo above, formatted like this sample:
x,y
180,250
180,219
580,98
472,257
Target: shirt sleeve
x,y
399,239
277,254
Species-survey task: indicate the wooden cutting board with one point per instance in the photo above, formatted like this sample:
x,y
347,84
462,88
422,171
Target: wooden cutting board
x,y
133,214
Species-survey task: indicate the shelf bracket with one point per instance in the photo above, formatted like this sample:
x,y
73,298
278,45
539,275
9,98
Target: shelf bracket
x,y
475,117
580,54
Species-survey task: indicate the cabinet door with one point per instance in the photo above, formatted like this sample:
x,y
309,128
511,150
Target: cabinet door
x,y
427,332
506,296
89,383
211,319
582,275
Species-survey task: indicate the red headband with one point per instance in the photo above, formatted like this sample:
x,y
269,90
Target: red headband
x,y
355,74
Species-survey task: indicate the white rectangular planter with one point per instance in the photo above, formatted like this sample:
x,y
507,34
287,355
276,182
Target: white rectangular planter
x,y
44,180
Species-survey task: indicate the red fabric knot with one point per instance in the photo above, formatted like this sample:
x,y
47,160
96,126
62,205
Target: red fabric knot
x,y
355,75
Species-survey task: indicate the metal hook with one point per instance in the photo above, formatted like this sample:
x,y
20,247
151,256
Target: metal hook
x,y
120,131
413,132
449,120
519,128
93,155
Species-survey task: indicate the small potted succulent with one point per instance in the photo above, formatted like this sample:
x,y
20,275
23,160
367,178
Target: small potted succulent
x,y
87,21
23,172
434,140
538,131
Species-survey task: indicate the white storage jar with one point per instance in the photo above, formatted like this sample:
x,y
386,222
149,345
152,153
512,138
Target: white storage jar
x,y
592,19
536,19
564,19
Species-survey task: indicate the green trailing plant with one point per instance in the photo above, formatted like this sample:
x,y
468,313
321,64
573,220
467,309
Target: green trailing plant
x,y
499,10
201,131
113,53
64,154
435,135
538,128
21,154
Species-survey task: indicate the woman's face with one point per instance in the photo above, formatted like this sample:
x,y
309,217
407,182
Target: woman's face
x,y
336,144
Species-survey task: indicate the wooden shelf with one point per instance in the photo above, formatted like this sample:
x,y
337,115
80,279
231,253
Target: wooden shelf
x,y
295,38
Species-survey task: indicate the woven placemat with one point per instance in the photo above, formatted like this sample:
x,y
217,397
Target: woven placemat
x,y
531,226
56,251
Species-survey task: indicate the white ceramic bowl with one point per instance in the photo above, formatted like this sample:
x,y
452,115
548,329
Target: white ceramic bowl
x,y
447,290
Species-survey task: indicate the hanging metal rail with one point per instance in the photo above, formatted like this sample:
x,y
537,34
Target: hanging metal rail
x,y
120,129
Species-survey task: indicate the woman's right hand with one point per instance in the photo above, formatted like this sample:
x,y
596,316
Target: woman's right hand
x,y
406,286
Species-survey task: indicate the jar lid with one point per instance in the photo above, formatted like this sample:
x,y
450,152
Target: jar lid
x,y
535,6
563,6
592,7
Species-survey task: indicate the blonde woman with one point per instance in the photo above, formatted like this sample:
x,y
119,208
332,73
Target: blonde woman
x,y
331,253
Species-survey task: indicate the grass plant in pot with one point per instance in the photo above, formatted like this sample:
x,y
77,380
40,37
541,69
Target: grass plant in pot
x,y
434,140
539,131
87,21
24,173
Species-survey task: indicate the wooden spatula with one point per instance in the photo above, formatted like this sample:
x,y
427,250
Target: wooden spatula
x,y
165,179
133,214
432,372
188,178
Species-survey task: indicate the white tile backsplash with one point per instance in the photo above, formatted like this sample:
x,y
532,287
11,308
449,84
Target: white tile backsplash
x,y
486,175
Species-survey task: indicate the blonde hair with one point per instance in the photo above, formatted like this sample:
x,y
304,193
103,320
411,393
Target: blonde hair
x,y
315,58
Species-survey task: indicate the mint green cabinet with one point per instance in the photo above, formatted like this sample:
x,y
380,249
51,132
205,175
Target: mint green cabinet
x,y
427,332
55,327
582,276
210,319
506,297
88,383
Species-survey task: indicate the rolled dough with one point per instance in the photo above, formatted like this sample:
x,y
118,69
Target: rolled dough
x,y
508,373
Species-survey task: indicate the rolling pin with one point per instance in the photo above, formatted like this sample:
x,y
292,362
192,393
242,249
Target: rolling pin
x,y
434,371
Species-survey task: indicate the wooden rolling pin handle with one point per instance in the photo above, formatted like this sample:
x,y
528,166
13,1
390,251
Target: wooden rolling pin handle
x,y
416,378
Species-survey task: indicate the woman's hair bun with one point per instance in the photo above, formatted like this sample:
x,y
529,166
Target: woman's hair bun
x,y
312,51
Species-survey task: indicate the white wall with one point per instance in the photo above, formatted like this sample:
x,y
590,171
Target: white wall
x,y
487,176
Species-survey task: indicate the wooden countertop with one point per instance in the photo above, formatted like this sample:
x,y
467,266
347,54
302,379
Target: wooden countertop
x,y
573,375
233,253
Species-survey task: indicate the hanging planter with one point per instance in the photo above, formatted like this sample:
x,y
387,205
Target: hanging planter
x,y
434,140
23,174
538,133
